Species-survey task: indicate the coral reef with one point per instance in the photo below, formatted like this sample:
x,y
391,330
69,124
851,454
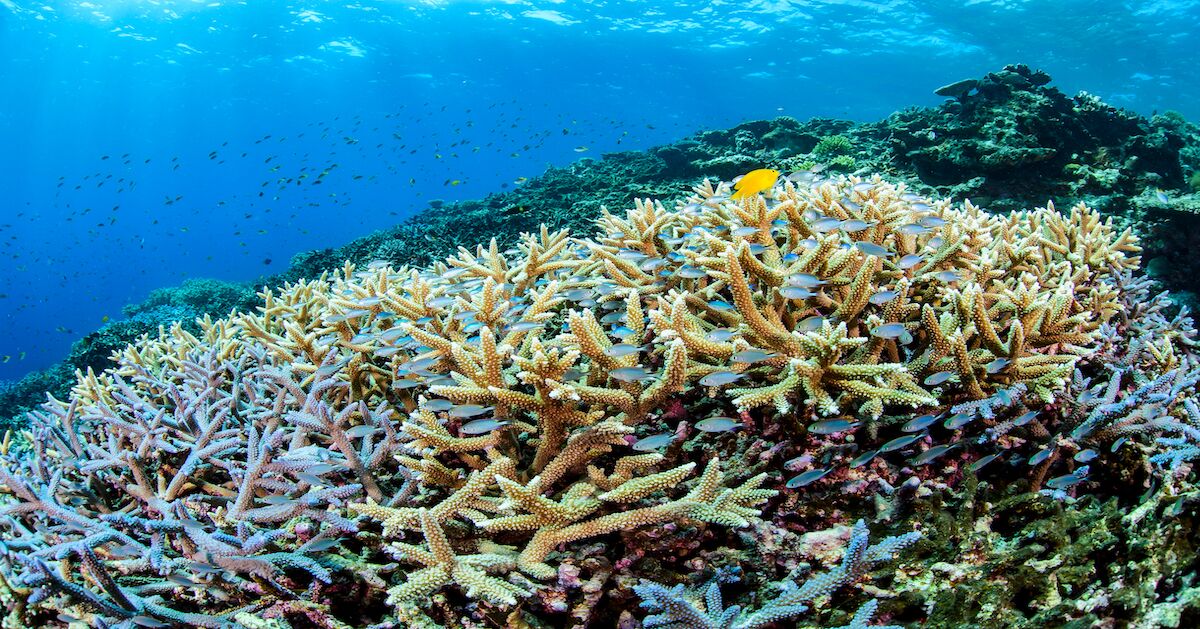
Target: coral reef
x,y
1008,141
512,435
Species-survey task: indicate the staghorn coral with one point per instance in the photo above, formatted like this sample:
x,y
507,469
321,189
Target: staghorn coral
x,y
506,405
676,608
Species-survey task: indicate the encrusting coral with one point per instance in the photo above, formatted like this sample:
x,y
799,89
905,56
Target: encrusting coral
x,y
480,417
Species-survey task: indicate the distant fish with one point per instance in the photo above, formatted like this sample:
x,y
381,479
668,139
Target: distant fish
x,y
719,378
796,292
918,424
977,465
938,378
997,365
631,374
909,261
872,249
481,426
807,478
718,424
881,297
930,454
832,426
654,442
750,356
900,442
754,182
811,324
864,458
888,330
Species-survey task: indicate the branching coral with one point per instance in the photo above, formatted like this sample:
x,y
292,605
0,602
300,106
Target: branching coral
x,y
677,608
507,406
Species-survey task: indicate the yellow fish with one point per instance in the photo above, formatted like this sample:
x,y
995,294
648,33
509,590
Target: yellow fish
x,y
755,182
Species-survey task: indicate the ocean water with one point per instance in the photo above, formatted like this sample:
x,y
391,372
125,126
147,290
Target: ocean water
x,y
148,142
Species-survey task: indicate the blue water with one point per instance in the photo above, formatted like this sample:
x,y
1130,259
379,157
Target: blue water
x,y
110,110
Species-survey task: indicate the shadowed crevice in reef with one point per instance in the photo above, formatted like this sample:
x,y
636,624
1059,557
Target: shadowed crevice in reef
x,y
1007,141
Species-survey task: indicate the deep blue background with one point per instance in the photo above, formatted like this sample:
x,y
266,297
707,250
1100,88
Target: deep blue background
x,y
479,92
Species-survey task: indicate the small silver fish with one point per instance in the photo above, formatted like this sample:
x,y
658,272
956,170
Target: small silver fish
x,y
811,324
997,365
719,336
882,297
718,424
320,545
938,378
745,231
872,249
360,431
796,292
900,442
888,330
909,261
913,229
438,405
807,478
804,280
654,442
631,374
613,317
406,383
720,378
977,465
826,224
481,426
418,365
864,458
832,426
958,420
622,349
853,225
1025,418
468,410
930,454
750,356
1063,482
919,423
1040,456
